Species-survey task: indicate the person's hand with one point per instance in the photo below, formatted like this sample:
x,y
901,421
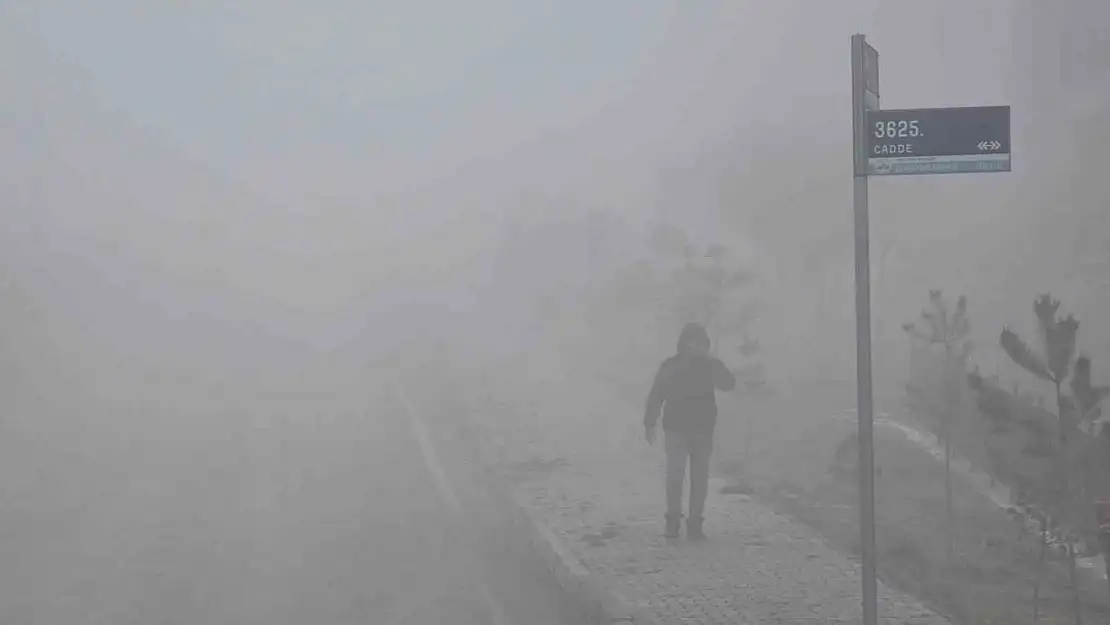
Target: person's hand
x,y
649,434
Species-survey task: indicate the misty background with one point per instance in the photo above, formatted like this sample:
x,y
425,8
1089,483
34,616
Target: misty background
x,y
212,205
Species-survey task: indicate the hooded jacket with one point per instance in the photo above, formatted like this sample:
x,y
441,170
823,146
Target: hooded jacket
x,y
684,388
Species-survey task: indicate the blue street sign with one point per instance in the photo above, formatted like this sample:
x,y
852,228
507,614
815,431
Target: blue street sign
x,y
938,141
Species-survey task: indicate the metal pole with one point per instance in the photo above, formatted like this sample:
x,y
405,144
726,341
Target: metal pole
x,y
863,335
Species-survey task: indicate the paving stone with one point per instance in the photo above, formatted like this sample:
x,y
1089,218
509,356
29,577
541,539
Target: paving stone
x,y
588,474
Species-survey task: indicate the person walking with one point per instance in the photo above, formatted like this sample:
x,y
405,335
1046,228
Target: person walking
x,y
684,391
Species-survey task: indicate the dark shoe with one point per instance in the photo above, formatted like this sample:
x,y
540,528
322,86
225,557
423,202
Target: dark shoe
x,y
693,529
674,523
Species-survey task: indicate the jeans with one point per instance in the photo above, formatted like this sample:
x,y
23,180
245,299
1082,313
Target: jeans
x,y
681,447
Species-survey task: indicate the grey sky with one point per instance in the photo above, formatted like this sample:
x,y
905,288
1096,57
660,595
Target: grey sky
x,y
347,82
297,153
386,89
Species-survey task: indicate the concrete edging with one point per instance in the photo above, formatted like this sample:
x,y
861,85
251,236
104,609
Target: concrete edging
x,y
599,605
595,602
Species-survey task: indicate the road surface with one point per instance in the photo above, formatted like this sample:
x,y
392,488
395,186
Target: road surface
x,y
304,510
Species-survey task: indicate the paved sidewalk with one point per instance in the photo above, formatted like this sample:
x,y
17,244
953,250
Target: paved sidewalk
x,y
588,475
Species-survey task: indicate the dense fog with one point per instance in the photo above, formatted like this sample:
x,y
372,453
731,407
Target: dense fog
x,y
221,220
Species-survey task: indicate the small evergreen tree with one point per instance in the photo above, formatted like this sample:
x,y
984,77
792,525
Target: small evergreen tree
x,y
1054,364
947,328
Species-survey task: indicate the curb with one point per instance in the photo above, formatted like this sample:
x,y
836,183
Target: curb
x,y
594,603
597,605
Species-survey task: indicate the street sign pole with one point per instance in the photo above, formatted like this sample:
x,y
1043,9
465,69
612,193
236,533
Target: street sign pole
x,y
899,143
865,95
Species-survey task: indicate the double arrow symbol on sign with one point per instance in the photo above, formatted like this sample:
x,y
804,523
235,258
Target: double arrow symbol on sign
x,y
990,146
